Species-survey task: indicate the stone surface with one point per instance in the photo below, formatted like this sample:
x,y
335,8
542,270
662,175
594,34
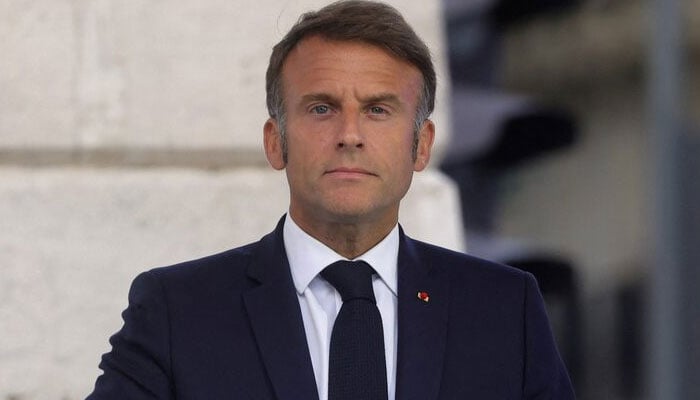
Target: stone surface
x,y
37,76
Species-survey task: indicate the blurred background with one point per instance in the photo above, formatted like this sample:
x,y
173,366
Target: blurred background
x,y
568,146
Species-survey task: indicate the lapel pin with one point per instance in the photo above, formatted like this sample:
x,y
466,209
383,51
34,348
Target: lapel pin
x,y
424,296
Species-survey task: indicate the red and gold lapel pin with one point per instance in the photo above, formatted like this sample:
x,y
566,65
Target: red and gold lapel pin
x,y
424,296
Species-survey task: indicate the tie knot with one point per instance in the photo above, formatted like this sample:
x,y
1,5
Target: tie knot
x,y
352,279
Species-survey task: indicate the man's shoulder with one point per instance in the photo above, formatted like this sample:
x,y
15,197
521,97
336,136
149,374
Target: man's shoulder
x,y
459,264
226,266
232,261
224,259
474,280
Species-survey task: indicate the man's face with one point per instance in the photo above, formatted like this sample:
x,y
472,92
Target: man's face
x,y
350,110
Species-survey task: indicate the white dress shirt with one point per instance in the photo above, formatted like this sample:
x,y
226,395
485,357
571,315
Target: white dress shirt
x,y
320,302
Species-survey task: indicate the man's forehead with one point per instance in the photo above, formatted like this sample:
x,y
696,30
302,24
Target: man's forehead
x,y
307,52
312,39
369,71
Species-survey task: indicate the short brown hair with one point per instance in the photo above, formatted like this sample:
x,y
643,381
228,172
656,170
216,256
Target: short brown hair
x,y
355,20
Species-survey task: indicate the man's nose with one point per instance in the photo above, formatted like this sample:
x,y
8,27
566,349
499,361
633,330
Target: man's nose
x,y
350,136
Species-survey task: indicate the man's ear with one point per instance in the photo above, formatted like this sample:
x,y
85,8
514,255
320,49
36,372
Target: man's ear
x,y
426,136
273,144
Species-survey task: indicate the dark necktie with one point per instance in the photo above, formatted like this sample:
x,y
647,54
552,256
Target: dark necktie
x,y
357,366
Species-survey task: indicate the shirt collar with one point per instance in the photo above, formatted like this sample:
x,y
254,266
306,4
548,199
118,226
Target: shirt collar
x,y
308,257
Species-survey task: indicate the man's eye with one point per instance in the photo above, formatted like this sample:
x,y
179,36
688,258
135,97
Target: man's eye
x,y
320,109
377,110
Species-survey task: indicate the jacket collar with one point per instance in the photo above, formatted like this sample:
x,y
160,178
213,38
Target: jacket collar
x,y
275,316
422,322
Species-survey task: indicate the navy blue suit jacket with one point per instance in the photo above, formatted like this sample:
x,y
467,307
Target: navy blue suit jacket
x,y
229,326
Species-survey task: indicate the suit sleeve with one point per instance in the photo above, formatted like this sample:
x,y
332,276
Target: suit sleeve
x,y
138,366
546,377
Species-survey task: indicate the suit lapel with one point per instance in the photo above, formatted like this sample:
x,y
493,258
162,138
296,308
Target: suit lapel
x,y
275,316
422,325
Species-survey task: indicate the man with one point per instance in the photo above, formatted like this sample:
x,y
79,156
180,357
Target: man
x,y
349,92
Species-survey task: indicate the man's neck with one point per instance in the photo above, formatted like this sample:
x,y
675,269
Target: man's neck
x,y
349,239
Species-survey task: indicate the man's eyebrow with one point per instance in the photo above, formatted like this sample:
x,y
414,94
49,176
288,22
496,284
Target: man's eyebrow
x,y
389,98
323,97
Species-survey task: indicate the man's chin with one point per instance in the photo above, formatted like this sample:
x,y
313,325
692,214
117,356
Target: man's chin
x,y
357,214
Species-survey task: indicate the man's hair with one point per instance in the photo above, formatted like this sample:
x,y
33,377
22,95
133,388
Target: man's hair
x,y
361,21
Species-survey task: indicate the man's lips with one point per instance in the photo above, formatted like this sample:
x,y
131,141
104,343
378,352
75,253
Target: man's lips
x,y
348,171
